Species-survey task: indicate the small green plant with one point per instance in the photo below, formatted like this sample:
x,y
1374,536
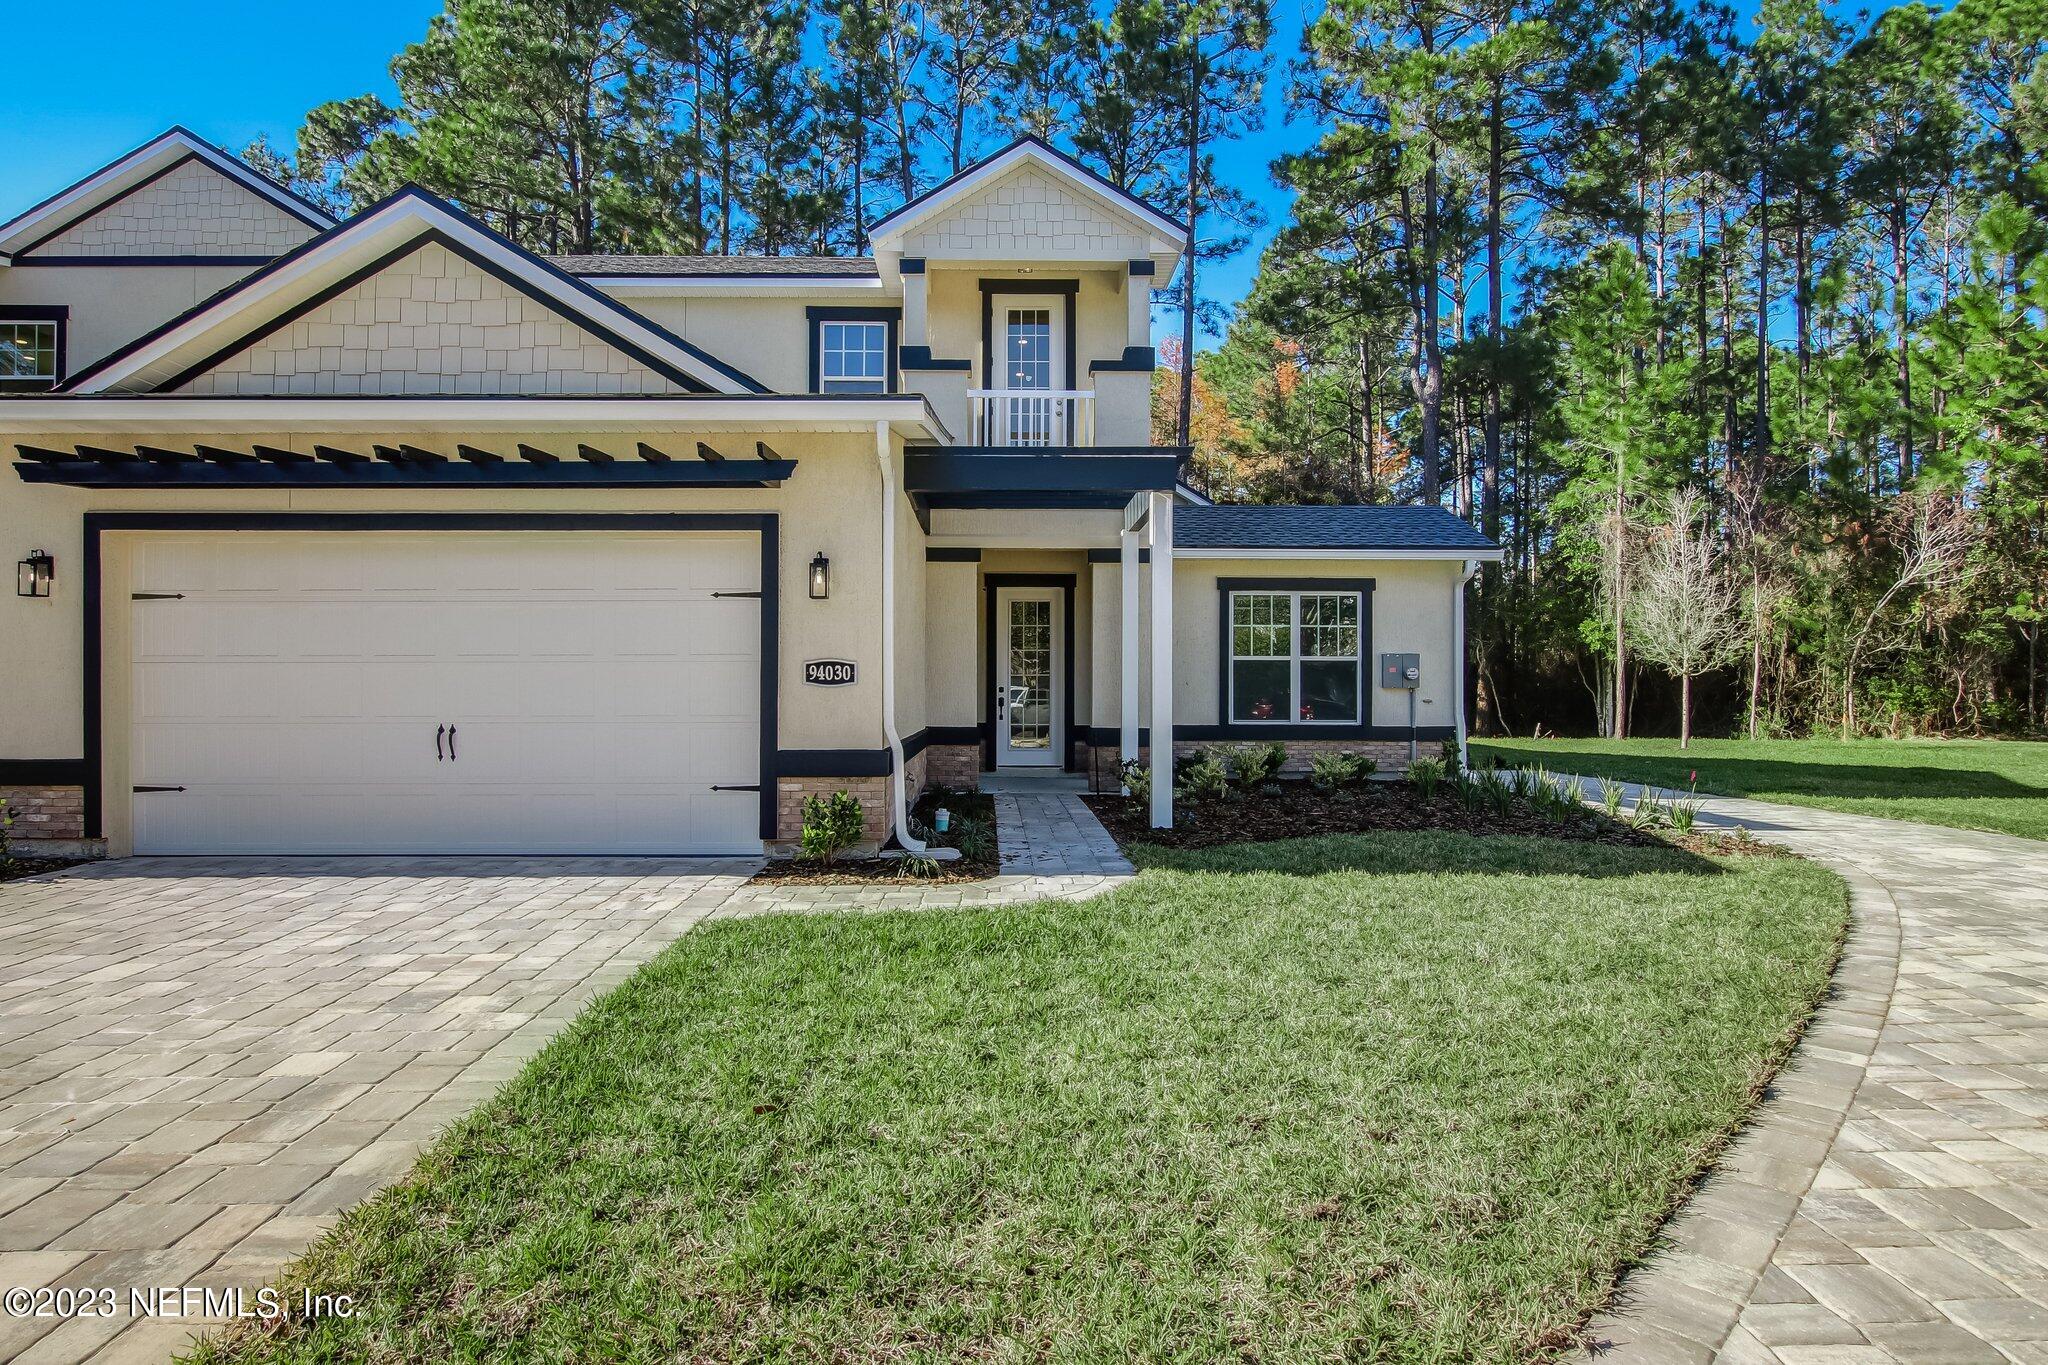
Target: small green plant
x,y
832,824
1327,772
1201,778
1470,789
1451,754
976,839
1685,811
917,867
1557,798
1612,794
1498,786
1427,774
1649,811
1136,778
1252,766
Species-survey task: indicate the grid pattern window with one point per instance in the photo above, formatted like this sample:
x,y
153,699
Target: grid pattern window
x,y
28,354
1294,657
853,357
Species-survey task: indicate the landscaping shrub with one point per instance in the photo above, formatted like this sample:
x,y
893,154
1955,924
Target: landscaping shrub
x,y
1201,778
1427,774
1251,766
832,824
1137,779
1327,772
1612,794
975,838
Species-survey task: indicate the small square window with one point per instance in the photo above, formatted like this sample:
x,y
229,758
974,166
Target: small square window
x,y
28,354
853,357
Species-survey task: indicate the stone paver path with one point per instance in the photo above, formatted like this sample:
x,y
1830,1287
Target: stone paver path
x,y
1054,834
203,1062
1890,1201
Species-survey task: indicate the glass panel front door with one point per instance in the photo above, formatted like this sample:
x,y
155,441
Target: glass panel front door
x,y
1029,661
1033,360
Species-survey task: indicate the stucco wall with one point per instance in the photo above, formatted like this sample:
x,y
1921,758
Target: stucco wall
x,y
1411,613
192,211
829,505
111,306
430,323
767,338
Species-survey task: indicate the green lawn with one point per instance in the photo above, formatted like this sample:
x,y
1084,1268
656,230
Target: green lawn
x,y
1989,784
1393,1097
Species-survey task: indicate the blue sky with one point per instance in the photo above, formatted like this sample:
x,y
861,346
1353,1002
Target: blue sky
x,y
87,85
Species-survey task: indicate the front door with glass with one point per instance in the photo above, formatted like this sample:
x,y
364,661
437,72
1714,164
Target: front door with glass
x,y
1029,666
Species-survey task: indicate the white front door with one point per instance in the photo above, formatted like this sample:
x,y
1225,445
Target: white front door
x,y
1034,357
1030,664
446,692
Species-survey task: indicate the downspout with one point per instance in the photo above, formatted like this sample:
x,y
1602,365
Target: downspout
x,y
898,806
1472,567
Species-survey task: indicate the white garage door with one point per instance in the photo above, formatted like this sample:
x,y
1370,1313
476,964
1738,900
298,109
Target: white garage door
x,y
452,692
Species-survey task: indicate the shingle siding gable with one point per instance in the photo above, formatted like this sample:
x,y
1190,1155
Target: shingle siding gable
x,y
430,323
192,211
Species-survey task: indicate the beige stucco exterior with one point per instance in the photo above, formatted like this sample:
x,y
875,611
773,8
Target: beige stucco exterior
x,y
429,323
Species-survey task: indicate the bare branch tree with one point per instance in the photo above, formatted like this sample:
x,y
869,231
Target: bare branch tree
x,y
1684,608
1936,533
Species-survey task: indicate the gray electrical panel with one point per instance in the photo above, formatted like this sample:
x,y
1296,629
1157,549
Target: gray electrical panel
x,y
1401,670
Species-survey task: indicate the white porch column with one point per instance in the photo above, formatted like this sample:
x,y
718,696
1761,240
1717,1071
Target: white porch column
x,y
914,333
1127,708
1159,525
1138,304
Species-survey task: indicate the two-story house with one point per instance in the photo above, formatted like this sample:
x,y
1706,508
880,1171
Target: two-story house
x,y
388,535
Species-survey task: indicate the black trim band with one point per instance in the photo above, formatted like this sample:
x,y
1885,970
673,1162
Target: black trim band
x,y
1117,556
920,358
1135,359
951,554
42,772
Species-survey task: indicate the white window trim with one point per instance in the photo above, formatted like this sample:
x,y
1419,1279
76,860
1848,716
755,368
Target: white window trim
x,y
825,381
1295,658
56,371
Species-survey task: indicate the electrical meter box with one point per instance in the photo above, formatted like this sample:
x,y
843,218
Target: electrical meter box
x,y
1401,670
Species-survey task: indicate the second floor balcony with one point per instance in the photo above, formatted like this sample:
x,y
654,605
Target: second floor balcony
x,y
1028,418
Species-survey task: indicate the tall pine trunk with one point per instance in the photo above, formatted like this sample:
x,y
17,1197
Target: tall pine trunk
x,y
1489,470
1187,319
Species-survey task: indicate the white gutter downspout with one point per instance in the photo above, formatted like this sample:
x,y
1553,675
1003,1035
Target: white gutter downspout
x,y
1472,567
899,777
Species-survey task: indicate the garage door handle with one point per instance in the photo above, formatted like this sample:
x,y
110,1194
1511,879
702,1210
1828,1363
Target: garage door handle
x,y
439,730
451,744
140,790
718,788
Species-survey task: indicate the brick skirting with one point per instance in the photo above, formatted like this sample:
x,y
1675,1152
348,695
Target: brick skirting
x,y
46,812
1101,763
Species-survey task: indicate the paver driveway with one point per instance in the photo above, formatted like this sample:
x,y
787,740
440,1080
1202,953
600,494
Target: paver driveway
x,y
1889,1205
203,1061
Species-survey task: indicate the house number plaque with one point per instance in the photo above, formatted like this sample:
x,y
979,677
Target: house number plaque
x,y
828,672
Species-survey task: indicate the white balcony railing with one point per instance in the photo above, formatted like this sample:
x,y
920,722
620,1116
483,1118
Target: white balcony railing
x,y
1032,417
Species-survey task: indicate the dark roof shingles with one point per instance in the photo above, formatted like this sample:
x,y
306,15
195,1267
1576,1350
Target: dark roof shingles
x,y
720,267
1323,528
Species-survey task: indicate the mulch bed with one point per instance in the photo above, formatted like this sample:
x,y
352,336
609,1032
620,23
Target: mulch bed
x,y
869,871
14,869
1296,810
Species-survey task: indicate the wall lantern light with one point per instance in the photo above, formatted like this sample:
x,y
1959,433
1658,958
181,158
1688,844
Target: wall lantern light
x,y
35,574
821,574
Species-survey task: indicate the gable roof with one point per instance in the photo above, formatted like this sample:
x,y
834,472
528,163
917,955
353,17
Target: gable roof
x,y
1368,529
130,172
1040,153
303,278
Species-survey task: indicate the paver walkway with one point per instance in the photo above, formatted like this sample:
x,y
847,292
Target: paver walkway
x,y
1890,1202
202,1062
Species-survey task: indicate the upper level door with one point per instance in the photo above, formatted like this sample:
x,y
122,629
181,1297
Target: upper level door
x,y
1032,361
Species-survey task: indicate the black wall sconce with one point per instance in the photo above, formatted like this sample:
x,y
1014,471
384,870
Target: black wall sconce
x,y
34,575
821,577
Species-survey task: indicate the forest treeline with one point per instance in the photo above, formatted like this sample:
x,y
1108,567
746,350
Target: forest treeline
x,y
1732,326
